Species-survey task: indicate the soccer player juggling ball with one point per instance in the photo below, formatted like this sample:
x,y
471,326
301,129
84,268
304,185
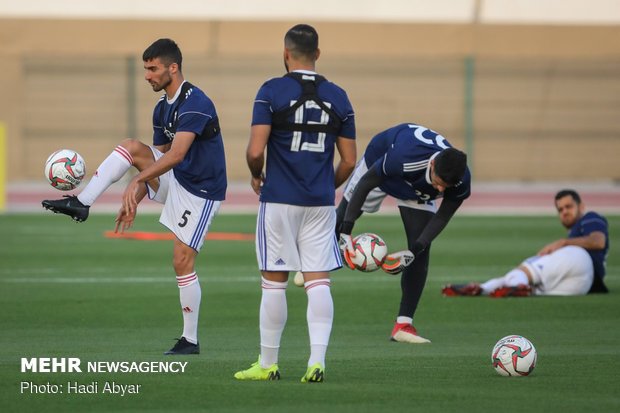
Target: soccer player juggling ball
x,y
415,165
184,169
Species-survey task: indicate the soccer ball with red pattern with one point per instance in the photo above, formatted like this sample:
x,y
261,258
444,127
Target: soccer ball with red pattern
x,y
514,356
370,251
65,169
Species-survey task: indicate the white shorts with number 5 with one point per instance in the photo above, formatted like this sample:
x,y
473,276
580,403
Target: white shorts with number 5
x,y
185,214
296,238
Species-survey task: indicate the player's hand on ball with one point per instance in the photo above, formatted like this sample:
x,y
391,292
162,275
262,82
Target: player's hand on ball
x,y
396,262
347,250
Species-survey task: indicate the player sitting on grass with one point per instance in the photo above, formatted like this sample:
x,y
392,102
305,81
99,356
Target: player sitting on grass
x,y
568,266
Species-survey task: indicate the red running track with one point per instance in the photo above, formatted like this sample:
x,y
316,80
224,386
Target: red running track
x,y
495,198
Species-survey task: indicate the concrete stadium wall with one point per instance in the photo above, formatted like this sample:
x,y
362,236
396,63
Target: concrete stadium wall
x,y
546,99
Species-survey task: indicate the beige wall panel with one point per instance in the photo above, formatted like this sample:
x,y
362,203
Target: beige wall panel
x,y
560,158
12,116
98,37
345,39
546,41
538,90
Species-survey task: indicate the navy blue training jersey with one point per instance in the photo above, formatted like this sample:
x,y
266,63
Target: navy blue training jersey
x,y
300,169
402,154
203,170
587,224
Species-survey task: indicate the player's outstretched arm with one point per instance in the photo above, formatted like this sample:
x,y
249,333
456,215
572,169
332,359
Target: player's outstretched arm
x,y
593,241
135,190
551,247
366,184
396,262
438,222
124,219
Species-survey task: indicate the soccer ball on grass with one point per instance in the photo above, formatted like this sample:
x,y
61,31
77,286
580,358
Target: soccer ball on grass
x,y
370,252
65,169
514,356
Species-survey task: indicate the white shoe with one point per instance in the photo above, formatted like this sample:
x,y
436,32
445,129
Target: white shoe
x,y
299,279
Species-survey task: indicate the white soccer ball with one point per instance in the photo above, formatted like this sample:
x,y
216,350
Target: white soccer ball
x,y
298,279
370,252
514,356
65,169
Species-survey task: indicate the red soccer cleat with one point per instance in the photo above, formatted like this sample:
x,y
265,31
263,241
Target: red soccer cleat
x,y
521,290
466,290
406,333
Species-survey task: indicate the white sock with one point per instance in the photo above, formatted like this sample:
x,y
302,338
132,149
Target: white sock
x,y
320,315
493,284
111,170
190,295
516,277
513,278
272,318
404,320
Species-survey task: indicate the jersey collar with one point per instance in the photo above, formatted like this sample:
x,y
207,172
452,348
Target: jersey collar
x,y
176,94
305,72
428,168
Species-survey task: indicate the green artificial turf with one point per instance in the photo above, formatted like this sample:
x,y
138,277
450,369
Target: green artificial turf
x,y
67,291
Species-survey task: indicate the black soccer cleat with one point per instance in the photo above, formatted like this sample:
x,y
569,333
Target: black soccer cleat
x,y
69,205
183,347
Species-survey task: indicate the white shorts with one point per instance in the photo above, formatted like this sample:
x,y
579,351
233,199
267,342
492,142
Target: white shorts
x,y
296,238
186,215
376,196
566,271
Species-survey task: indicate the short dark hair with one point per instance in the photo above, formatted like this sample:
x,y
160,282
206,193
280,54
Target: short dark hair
x,y
166,50
450,165
302,39
568,192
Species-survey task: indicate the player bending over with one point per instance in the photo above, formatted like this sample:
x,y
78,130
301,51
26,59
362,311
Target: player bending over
x,y
415,165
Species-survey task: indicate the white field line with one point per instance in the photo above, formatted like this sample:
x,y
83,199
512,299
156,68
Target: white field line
x,y
255,279
156,280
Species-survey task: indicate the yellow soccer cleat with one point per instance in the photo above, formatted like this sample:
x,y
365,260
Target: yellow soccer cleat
x,y
256,372
314,374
